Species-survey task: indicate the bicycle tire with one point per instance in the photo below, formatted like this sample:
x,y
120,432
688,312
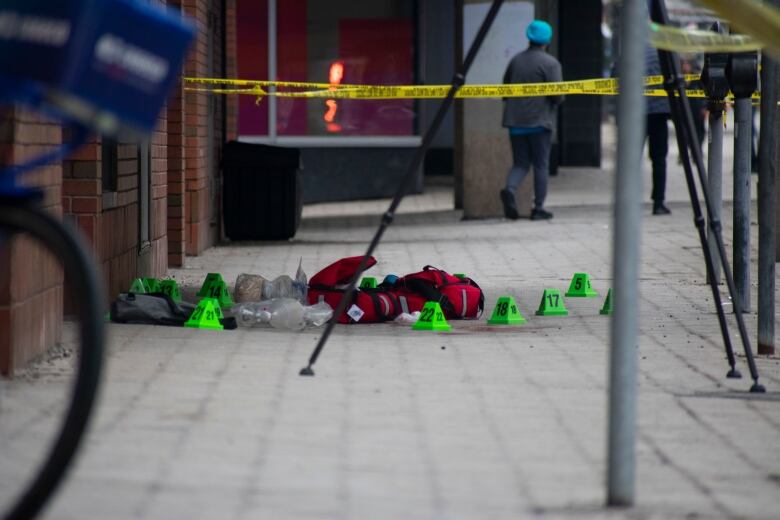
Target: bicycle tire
x,y
67,245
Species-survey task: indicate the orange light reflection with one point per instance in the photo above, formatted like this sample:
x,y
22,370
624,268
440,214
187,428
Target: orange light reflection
x,y
335,75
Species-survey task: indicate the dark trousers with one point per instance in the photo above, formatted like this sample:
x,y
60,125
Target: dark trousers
x,y
658,145
527,150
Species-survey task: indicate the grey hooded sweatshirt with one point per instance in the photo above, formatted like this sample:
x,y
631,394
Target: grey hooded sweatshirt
x,y
533,65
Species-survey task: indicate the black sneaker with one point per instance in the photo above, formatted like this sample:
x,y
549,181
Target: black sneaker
x,y
660,209
540,214
510,207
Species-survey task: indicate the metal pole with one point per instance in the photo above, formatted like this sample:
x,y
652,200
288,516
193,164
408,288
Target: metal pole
x,y
625,257
767,211
743,129
715,178
272,69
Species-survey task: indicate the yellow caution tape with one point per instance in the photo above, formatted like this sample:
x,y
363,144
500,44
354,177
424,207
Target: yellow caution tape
x,y
601,87
691,93
264,83
761,21
693,40
326,91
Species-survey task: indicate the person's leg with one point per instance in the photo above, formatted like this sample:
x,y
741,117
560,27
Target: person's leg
x,y
516,174
521,161
540,157
658,146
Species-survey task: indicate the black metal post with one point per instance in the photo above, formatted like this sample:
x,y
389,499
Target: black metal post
x,y
742,75
387,218
767,210
716,86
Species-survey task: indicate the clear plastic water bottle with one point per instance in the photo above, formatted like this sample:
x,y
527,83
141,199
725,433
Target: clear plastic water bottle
x,y
252,313
317,314
282,313
287,313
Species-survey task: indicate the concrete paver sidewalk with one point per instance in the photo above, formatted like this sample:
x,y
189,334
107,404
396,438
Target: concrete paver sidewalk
x,y
478,423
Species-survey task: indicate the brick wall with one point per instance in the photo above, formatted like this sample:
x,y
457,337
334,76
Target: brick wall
x,y
111,220
112,230
183,188
30,279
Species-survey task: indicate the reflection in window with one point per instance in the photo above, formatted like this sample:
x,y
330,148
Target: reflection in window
x,y
339,41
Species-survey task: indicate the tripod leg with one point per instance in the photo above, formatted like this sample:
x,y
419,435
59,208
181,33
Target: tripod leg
x,y
683,139
387,218
683,118
756,388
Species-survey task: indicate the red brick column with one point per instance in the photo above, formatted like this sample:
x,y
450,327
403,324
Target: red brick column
x,y
176,182
158,169
176,168
30,279
195,136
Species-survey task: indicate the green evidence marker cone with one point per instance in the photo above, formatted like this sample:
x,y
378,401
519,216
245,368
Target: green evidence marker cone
x,y
206,315
368,282
152,285
137,286
606,310
171,289
218,291
431,318
506,312
580,287
552,304
210,279
217,309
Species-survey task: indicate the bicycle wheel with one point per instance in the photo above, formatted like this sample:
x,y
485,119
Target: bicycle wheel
x,y
66,246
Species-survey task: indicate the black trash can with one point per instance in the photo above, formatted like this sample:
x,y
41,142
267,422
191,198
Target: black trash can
x,y
261,191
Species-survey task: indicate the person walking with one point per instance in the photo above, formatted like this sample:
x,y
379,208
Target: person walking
x,y
531,120
657,135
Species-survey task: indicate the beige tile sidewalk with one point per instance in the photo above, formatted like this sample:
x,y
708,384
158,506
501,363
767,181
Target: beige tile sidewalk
x,y
480,423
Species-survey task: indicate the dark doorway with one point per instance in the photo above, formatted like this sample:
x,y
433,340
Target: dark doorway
x,y
581,53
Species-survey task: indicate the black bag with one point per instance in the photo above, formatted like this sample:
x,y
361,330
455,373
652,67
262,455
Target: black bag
x,y
155,309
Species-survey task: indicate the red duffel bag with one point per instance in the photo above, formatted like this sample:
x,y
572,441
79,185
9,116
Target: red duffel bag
x,y
459,298
367,305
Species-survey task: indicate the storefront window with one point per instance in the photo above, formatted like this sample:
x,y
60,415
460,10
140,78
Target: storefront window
x,y
252,58
341,42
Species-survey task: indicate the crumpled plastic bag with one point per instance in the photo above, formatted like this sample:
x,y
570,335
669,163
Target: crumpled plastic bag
x,y
256,288
407,319
285,287
249,288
